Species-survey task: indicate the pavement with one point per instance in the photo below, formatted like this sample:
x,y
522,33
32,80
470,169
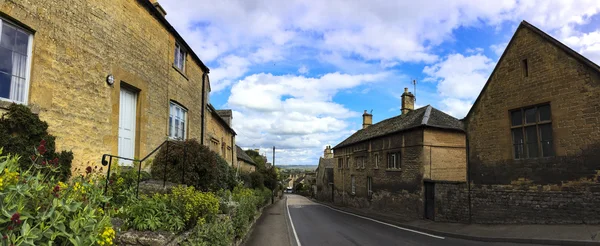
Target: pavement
x,y
296,221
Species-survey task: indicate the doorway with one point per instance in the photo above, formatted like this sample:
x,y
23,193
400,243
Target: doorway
x,y
429,200
127,123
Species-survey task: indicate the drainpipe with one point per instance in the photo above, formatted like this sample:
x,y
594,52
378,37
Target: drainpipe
x,y
203,109
232,149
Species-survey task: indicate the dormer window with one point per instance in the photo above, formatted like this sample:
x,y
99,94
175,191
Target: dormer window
x,y
180,55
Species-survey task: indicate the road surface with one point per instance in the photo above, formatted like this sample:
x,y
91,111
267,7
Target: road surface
x,y
299,221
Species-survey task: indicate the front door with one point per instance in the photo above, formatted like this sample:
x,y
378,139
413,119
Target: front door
x,y
429,200
127,113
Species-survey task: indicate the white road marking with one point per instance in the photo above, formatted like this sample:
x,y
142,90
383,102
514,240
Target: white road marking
x,y
380,222
291,222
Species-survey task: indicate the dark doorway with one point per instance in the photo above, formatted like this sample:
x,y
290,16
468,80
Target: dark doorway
x,y
429,200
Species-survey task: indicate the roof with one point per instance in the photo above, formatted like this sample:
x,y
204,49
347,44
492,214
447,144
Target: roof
x,y
241,154
427,116
214,112
545,36
326,162
224,112
158,15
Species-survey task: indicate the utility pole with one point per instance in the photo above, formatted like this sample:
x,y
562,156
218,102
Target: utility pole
x,y
273,156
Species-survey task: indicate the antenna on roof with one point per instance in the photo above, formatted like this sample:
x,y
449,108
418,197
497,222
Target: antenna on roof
x,y
371,111
415,84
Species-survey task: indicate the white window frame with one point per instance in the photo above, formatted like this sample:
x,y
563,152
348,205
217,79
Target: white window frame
x,y
178,52
172,132
376,161
28,62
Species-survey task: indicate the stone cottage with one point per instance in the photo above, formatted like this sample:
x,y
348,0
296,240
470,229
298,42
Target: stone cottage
x,y
392,166
220,136
109,76
245,164
534,136
324,178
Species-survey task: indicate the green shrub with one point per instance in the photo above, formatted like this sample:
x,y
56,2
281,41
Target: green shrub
x,y
257,180
264,196
245,211
195,205
37,209
218,233
21,131
123,184
153,213
191,163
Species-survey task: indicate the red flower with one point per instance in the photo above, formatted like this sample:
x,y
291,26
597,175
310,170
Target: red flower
x,y
18,222
43,142
88,170
56,189
43,163
33,157
55,161
4,237
41,149
10,228
15,217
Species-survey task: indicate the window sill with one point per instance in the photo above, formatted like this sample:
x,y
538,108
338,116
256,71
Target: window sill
x,y
180,72
393,170
5,104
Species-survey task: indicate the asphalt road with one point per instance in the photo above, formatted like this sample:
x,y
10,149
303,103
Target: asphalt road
x,y
315,224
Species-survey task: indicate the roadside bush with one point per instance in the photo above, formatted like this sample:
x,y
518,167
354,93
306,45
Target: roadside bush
x,y
245,211
264,196
21,131
37,209
182,209
245,179
257,180
123,184
191,163
218,233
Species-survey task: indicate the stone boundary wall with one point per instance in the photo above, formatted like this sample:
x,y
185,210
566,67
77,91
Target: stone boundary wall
x,y
451,202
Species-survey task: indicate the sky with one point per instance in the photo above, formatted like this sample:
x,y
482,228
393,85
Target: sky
x,y
299,74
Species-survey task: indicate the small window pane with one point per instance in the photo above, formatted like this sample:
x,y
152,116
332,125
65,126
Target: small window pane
x,y
518,142
544,112
6,61
516,118
5,85
530,115
532,141
19,65
546,140
7,40
21,42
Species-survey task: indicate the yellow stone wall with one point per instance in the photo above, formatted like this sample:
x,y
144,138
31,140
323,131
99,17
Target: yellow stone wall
x,y
76,44
245,167
444,155
217,134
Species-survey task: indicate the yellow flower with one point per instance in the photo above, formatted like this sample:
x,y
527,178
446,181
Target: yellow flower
x,y
107,236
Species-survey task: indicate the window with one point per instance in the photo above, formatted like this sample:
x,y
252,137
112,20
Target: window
x,y
525,67
360,162
531,130
353,185
348,162
369,186
393,160
179,57
177,119
340,162
15,57
376,161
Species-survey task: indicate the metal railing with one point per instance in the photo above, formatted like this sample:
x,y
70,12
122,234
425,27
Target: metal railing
x,y
110,158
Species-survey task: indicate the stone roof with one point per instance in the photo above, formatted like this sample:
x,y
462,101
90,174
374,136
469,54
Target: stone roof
x,y
224,112
427,116
241,154
326,162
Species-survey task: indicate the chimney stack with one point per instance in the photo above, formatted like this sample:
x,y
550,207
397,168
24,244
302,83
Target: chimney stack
x,y
408,101
367,119
328,153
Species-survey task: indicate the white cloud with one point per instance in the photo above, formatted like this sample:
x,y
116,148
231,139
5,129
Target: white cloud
x,y
498,49
303,70
474,50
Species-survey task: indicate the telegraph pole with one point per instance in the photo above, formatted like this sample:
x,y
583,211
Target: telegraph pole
x,y
273,156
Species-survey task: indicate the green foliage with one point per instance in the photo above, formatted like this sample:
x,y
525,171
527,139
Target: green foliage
x,y
218,233
182,209
257,180
37,209
195,205
193,164
123,183
21,131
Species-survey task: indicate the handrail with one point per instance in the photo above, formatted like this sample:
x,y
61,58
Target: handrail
x,y
109,163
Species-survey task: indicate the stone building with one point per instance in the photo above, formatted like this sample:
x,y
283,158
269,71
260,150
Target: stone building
x,y
109,76
392,165
220,135
245,164
324,178
534,136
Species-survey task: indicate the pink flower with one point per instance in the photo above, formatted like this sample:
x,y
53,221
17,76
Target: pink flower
x,y
43,142
43,163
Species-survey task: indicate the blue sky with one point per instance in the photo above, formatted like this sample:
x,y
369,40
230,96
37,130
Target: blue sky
x,y
299,74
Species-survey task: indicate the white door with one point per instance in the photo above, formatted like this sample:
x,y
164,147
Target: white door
x,y
127,125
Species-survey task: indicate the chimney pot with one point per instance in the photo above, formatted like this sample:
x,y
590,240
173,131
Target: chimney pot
x,y
408,101
405,89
